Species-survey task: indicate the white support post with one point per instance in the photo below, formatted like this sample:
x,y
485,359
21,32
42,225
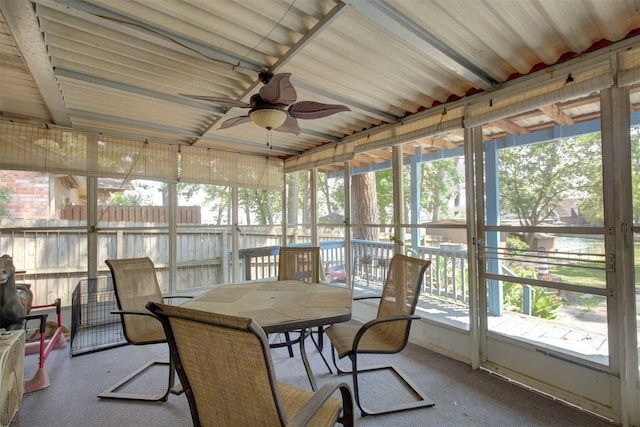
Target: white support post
x,y
398,200
618,214
313,215
347,219
472,137
235,239
173,237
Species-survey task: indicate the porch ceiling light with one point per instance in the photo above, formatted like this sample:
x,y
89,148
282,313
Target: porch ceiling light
x,y
268,118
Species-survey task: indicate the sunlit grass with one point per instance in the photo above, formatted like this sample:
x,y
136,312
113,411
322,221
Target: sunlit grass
x,y
579,275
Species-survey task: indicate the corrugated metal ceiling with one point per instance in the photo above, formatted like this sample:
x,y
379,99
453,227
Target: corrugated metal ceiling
x,y
119,66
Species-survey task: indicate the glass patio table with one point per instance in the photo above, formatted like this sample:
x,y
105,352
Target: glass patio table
x,y
280,306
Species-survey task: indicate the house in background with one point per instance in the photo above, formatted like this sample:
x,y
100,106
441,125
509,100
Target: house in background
x,y
36,196
568,213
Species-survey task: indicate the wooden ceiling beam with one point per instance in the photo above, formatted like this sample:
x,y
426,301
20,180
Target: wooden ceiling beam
x,y
557,115
509,127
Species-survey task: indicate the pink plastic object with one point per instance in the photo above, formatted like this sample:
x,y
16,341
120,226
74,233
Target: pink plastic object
x,y
41,378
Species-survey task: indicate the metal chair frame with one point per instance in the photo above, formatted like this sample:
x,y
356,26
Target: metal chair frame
x,y
422,400
114,392
218,393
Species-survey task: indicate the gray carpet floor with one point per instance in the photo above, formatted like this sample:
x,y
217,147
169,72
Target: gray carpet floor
x,y
463,397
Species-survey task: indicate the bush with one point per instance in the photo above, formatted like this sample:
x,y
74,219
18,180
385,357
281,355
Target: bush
x,y
544,304
6,195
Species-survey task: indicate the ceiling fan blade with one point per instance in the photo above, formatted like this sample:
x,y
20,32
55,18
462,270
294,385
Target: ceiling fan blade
x,y
222,101
279,90
315,110
234,122
290,126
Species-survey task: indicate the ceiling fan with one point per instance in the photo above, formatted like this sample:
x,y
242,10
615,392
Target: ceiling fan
x,y
274,106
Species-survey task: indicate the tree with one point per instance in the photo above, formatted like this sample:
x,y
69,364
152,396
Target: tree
x,y
439,183
216,198
364,206
6,195
325,192
384,192
139,196
330,196
306,198
260,205
535,178
591,207
293,189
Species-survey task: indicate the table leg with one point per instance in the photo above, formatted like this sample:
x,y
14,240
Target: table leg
x,y
305,360
320,351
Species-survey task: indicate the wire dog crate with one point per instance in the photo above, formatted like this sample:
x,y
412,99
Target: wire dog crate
x,y
93,327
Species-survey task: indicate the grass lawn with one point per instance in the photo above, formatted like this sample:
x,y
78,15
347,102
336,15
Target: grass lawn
x,y
579,275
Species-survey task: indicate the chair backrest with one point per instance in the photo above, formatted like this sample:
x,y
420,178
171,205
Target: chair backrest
x,y
400,296
135,284
225,367
299,263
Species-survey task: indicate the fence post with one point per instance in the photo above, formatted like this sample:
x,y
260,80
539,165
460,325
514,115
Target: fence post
x,y
120,244
526,299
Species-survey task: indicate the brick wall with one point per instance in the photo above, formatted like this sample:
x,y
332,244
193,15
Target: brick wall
x,y
30,199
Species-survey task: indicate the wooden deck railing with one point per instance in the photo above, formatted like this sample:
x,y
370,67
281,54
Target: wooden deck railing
x,y
446,278
55,259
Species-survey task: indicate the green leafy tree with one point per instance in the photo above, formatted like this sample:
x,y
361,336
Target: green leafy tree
x,y
305,196
439,183
139,196
592,205
69,144
331,195
6,195
384,188
324,194
293,198
215,198
535,178
260,205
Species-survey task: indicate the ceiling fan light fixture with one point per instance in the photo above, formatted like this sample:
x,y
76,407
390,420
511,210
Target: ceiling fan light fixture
x,y
268,118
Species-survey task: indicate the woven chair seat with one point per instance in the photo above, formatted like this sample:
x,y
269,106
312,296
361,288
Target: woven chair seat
x,y
342,336
150,336
293,399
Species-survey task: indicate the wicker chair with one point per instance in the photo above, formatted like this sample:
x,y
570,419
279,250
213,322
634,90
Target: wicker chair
x,y
388,333
300,263
224,364
135,284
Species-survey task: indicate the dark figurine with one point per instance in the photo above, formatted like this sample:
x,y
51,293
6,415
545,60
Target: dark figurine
x,y
12,306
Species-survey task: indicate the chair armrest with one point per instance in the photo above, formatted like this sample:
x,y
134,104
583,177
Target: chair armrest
x,y
141,313
41,316
177,296
367,297
172,297
304,415
372,323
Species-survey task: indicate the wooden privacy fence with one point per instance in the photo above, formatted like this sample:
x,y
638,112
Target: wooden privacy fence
x,y
157,214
